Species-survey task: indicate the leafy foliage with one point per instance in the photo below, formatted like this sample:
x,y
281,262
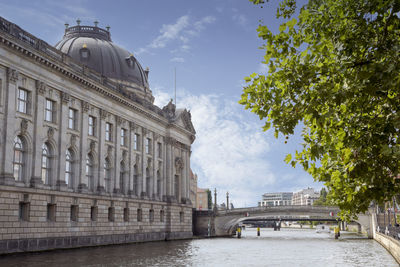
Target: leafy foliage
x,y
334,70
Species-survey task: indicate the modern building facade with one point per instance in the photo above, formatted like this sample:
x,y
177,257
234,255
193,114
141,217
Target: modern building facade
x,y
276,199
305,197
86,158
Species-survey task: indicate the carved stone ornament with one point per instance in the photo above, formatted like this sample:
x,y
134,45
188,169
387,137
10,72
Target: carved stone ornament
x,y
50,132
12,75
124,155
73,139
92,145
178,163
103,114
133,126
149,163
156,136
137,159
120,121
40,87
65,97
169,110
85,106
170,141
144,131
24,125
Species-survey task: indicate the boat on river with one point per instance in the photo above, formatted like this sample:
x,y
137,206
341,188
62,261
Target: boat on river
x,y
322,228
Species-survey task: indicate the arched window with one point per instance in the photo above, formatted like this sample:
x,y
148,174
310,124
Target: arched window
x,y
148,182
46,163
69,170
89,172
107,174
135,180
122,177
19,158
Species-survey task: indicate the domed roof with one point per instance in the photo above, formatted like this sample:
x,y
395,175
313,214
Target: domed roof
x,y
93,47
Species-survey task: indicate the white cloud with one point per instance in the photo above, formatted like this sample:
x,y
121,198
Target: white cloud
x,y
178,59
229,152
170,32
240,19
182,31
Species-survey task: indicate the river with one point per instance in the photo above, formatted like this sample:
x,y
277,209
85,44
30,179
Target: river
x,y
288,247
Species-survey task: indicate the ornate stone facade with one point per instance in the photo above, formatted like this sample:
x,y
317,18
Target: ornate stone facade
x,y
85,159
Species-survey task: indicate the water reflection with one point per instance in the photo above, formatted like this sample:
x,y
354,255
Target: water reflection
x,y
289,247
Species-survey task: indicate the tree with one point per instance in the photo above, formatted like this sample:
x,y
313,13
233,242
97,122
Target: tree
x,y
209,199
334,71
323,200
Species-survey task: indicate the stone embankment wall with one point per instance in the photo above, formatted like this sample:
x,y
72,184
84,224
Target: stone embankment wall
x,y
391,244
34,220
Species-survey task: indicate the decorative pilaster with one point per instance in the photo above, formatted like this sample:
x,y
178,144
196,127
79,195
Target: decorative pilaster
x,y
117,155
102,154
83,182
62,142
38,135
6,173
142,179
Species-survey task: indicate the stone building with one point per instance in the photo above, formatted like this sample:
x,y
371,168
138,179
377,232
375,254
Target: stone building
x,y
276,199
193,188
86,158
202,199
305,197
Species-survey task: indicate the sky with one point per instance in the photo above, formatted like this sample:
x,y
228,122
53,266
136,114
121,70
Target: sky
x,y
212,45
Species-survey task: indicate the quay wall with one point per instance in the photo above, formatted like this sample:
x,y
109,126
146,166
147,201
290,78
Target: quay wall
x,y
45,222
392,245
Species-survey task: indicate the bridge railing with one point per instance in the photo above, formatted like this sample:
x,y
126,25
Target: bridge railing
x,y
386,226
265,208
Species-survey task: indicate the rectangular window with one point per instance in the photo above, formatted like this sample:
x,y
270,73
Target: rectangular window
x,y
108,131
24,208
111,214
51,212
126,214
151,215
92,125
49,111
159,148
22,101
123,137
139,215
74,213
181,218
72,119
136,142
161,215
148,145
93,213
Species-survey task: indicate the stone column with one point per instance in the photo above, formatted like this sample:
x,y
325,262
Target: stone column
x,y
168,167
36,180
184,176
142,177
131,158
102,154
6,174
117,155
155,166
62,142
83,148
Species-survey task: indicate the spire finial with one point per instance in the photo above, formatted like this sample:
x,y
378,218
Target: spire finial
x,y
66,25
108,28
78,21
96,23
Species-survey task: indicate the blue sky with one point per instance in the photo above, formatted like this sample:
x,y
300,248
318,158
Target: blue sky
x,y
213,45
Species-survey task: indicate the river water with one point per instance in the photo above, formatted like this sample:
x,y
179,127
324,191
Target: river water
x,y
288,247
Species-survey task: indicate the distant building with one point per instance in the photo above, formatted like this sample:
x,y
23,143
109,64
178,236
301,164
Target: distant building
x,y
193,188
276,199
202,199
305,197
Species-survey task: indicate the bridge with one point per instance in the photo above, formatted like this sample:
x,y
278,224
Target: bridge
x,y
224,222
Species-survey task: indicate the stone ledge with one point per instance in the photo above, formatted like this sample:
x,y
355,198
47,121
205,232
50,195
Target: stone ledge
x,y
392,245
51,243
